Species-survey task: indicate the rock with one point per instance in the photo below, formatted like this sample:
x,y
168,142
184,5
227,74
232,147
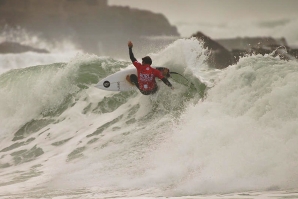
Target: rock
x,y
219,56
294,52
259,45
12,47
247,43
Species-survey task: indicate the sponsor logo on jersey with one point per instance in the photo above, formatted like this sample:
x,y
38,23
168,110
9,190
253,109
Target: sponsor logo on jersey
x,y
146,77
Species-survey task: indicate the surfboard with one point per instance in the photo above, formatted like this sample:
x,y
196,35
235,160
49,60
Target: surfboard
x,y
117,81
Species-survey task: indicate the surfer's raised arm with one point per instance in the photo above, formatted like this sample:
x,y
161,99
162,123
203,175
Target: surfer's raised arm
x,y
131,56
144,77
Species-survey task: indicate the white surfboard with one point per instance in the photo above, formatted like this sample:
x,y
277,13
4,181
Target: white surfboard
x,y
117,81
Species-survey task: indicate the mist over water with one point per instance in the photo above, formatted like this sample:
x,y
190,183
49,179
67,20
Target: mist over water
x,y
276,27
60,51
231,131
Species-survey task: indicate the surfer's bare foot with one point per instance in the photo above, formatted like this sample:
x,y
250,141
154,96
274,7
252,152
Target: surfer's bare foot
x,y
128,79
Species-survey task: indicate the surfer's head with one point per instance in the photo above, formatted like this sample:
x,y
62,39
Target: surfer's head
x,y
147,60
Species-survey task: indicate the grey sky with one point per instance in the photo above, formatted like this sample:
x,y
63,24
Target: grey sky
x,y
226,18
216,11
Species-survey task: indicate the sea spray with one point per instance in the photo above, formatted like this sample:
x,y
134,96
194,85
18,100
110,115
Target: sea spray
x,y
42,90
235,137
241,137
65,114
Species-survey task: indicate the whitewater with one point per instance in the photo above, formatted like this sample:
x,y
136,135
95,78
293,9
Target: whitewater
x,y
230,133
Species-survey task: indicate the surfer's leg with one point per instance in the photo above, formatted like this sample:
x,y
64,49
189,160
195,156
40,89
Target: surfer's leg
x,y
134,79
129,80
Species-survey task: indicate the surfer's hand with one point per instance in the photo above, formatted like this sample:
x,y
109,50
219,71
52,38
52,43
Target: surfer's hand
x,y
130,45
172,88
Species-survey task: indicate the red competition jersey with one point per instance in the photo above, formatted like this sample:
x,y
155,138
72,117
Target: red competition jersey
x,y
146,76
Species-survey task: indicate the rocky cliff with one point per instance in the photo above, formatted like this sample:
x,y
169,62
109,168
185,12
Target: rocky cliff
x,y
241,46
247,43
92,25
225,52
219,56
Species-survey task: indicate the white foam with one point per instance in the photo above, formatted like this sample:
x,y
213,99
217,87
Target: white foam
x,y
241,137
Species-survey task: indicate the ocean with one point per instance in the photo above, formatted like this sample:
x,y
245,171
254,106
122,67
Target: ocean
x,y
228,133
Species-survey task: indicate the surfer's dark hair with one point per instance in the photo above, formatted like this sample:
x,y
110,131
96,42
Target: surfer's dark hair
x,y
147,60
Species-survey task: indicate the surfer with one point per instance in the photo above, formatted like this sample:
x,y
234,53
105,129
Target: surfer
x,y
145,81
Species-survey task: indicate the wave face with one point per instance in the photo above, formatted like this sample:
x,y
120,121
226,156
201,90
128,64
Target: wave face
x,y
231,130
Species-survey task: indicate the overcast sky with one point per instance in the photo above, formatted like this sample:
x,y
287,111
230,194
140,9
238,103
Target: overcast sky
x,y
215,10
202,13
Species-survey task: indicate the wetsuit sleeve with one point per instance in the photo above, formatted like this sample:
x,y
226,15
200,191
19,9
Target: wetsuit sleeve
x,y
131,56
160,68
166,81
158,74
133,59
